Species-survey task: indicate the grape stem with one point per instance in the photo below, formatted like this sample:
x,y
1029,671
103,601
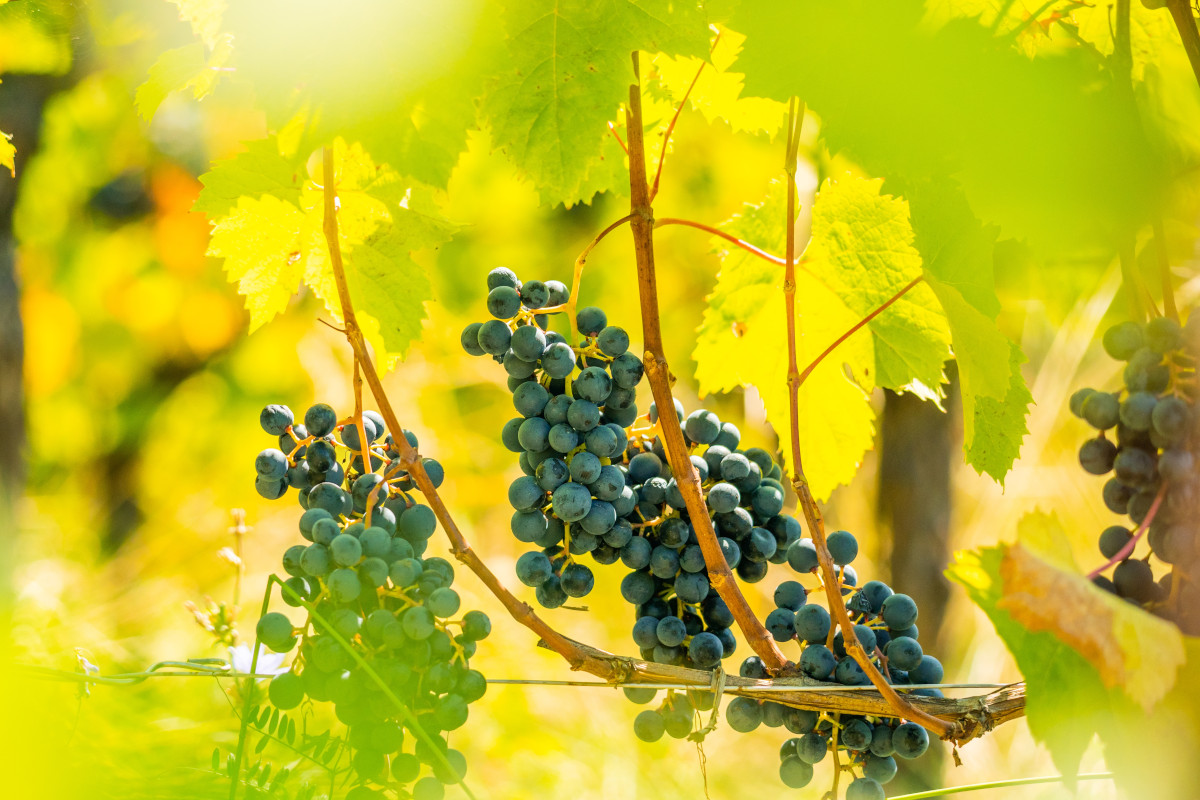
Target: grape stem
x,y
857,326
763,254
1131,545
577,278
410,459
812,513
657,372
662,157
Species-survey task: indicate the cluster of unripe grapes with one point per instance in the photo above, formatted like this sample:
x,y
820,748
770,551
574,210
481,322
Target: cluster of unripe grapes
x,y
363,573
1147,440
597,482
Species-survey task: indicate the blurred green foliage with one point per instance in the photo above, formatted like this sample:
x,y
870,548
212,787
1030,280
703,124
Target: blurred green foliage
x,y
143,389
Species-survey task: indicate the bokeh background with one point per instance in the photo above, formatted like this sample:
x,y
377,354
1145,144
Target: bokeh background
x,y
141,392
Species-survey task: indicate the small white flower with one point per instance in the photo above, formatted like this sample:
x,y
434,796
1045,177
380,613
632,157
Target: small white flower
x,y
269,664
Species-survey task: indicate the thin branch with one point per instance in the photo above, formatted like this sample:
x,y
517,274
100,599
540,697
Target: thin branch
x,y
1164,270
1131,545
658,223
573,301
812,514
979,713
974,787
411,460
658,373
858,326
662,158
613,130
1181,13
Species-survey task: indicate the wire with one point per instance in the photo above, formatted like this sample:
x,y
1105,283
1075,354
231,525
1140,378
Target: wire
x,y
219,668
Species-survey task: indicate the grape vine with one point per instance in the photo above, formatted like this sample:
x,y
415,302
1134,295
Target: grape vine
x,y
363,576
1147,441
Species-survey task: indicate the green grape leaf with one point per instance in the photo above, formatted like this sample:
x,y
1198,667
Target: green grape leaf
x,y
189,67
1092,663
272,245
570,71
997,427
258,170
903,98
8,154
717,91
739,344
379,226
263,241
204,16
958,254
862,249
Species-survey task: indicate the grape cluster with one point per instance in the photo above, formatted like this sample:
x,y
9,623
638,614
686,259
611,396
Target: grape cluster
x,y
1147,439
597,482
885,625
574,405
364,572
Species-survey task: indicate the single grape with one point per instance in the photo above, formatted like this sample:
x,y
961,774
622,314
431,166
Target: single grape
x,y
320,420
791,595
1163,335
909,740
795,773
743,714
276,632
1096,456
843,547
577,580
928,671
812,747
1134,467
1102,410
705,650
1137,409
1135,580
864,789
781,624
571,502
502,276
343,585
899,611
276,419
590,321
802,556
286,691
649,726
702,426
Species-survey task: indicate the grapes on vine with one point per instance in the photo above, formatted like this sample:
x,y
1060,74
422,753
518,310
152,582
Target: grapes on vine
x,y
370,591
597,483
1146,443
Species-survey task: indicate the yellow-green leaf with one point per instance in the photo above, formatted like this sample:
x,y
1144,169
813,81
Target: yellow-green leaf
x,y
1130,649
204,16
717,92
741,342
263,241
189,67
8,153
862,249
258,170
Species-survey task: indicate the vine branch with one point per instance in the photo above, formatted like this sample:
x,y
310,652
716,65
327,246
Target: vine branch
x,y
857,326
410,459
658,373
812,513
763,254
